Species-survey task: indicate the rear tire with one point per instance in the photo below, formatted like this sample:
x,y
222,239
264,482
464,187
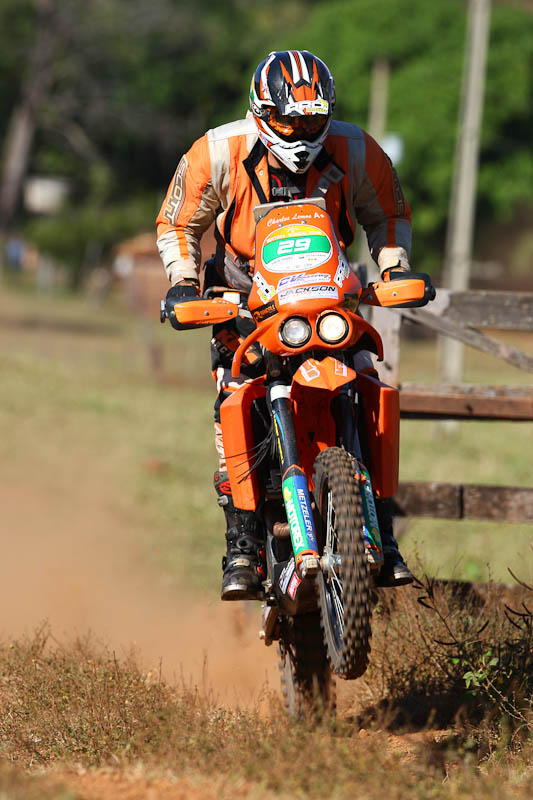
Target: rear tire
x,y
307,684
344,587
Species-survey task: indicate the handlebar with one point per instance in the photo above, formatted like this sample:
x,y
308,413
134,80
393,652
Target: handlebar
x,y
403,290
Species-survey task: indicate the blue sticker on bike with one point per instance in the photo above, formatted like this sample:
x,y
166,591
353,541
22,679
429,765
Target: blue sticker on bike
x,y
299,513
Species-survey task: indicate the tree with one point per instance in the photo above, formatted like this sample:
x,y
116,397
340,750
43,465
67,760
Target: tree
x,y
112,94
424,44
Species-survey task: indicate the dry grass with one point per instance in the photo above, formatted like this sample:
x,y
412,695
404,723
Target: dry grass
x,y
78,704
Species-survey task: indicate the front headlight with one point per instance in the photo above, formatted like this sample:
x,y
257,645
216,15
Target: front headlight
x,y
332,328
295,332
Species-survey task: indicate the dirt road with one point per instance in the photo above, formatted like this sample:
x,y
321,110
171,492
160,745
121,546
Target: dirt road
x,y
69,558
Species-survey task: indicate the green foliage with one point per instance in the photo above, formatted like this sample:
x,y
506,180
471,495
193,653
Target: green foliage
x,y
424,44
494,647
132,84
448,651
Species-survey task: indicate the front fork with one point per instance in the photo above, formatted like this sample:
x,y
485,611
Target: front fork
x,y
294,483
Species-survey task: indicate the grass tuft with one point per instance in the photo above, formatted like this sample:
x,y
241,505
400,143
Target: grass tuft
x,y
453,655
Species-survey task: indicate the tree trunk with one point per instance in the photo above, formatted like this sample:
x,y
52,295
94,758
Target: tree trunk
x,y
17,149
24,118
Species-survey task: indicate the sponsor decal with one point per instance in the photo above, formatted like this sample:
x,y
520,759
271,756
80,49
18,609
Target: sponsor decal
x,y
371,528
341,369
279,435
306,512
294,518
265,291
307,293
266,311
224,487
309,370
304,504
302,279
294,248
318,106
342,273
285,575
293,586
176,195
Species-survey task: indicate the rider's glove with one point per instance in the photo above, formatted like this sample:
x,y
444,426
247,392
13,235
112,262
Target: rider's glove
x,y
182,292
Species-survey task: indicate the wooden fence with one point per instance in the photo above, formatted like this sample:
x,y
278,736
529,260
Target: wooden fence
x,y
461,315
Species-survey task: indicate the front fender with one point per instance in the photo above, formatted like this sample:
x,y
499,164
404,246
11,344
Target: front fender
x,y
329,374
314,384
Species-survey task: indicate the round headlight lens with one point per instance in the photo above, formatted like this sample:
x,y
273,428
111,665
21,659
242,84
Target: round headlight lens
x,y
332,328
295,332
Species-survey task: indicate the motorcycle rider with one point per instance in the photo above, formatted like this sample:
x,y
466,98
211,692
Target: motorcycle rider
x,y
287,148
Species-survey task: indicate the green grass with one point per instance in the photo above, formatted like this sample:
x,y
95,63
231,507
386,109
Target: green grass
x,y
496,453
492,453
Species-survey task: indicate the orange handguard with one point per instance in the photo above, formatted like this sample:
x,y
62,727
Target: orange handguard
x,y
205,312
410,292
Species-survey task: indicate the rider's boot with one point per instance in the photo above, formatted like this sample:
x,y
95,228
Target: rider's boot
x,y
395,571
244,563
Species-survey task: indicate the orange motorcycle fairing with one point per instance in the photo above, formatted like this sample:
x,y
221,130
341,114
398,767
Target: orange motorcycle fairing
x,y
381,405
267,332
314,385
238,439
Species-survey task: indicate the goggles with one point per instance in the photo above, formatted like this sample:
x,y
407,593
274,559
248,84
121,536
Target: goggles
x,y
293,128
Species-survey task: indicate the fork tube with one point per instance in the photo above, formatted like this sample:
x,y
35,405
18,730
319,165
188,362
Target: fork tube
x,y
294,482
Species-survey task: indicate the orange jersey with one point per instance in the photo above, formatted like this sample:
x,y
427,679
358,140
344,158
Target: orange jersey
x,y
225,174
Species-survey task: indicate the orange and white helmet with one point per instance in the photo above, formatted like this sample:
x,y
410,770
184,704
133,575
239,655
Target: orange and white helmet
x,y
292,98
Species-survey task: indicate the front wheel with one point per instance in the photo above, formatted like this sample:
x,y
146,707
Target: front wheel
x,y
306,680
344,592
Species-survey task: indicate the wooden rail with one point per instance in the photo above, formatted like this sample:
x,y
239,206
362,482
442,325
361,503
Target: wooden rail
x,y
466,402
463,501
460,315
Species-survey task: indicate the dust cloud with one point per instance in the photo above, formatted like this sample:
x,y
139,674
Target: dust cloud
x,y
69,559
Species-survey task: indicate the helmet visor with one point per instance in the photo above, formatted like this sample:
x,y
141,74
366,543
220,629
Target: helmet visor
x,y
294,128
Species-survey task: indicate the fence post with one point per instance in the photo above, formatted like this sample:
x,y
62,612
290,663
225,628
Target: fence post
x,y
462,202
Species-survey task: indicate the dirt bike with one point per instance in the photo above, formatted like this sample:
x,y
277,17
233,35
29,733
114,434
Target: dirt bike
x,y
308,443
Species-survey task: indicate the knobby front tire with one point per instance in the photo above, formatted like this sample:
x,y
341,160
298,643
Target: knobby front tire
x,y
306,681
344,585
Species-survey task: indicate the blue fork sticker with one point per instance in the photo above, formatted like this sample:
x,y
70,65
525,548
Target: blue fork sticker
x,y
299,513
